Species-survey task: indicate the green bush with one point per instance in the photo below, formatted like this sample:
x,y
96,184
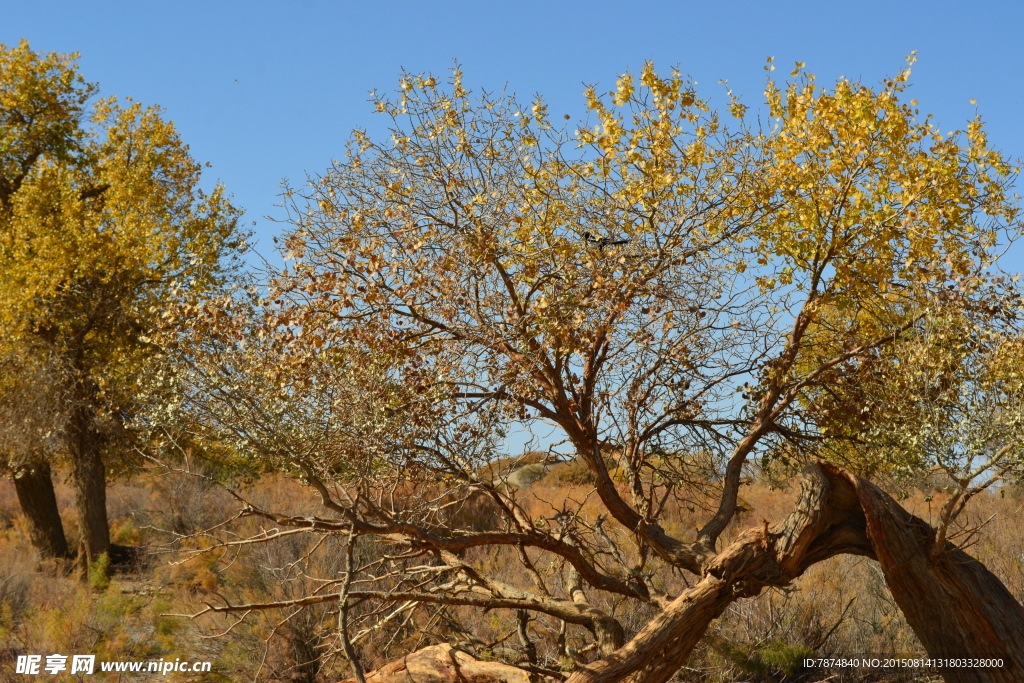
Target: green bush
x,y
99,573
784,658
775,662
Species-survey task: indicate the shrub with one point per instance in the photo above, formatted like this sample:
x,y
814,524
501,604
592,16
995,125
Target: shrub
x,y
99,573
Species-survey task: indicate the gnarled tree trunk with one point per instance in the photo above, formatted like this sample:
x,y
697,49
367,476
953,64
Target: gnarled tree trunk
x,y
34,485
955,605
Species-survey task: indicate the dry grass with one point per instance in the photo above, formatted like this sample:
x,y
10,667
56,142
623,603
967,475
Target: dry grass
x,y
838,608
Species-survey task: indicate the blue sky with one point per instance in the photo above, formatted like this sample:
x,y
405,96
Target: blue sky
x,y
270,90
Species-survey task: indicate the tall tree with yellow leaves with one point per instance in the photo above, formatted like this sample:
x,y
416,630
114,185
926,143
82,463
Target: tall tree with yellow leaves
x,y
676,298
102,225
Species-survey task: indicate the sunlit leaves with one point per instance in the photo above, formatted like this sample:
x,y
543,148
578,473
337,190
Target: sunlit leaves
x,y
471,246
877,194
102,224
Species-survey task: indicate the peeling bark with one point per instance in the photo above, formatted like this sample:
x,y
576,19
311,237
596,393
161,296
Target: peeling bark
x,y
955,605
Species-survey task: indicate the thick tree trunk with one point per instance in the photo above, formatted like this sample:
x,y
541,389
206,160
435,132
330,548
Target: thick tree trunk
x,y
90,477
956,606
34,485
825,523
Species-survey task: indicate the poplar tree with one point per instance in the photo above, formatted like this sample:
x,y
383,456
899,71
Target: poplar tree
x,y
676,298
102,225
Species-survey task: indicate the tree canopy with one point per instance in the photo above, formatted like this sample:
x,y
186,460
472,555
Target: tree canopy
x,y
679,293
102,226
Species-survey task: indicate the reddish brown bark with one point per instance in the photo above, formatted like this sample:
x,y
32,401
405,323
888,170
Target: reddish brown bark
x,y
955,605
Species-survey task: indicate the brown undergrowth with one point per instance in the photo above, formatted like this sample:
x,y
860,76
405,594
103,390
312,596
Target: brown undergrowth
x,y
838,608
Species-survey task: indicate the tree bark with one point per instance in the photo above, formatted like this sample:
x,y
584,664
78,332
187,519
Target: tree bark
x,y
34,485
90,477
955,606
823,524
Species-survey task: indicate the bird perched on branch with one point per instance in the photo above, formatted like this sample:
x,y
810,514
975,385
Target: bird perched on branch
x,y
603,242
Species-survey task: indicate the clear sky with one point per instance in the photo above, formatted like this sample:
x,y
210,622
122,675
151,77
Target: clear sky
x,y
270,90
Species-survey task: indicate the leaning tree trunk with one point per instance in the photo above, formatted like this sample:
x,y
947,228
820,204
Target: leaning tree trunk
x,y
955,605
34,485
90,478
